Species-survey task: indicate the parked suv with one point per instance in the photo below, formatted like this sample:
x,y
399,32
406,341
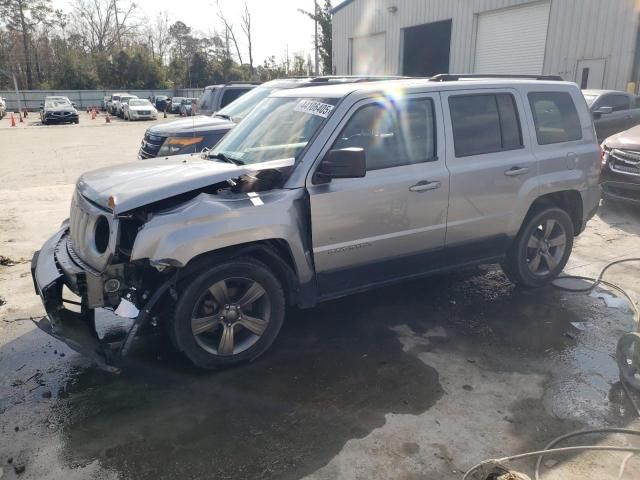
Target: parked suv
x,y
621,167
613,111
215,97
195,134
321,192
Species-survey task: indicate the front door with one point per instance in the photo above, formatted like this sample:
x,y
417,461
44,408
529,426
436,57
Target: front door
x,y
490,161
392,222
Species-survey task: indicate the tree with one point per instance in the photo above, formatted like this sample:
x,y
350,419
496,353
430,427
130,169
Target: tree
x,y
230,34
246,28
21,16
322,15
103,24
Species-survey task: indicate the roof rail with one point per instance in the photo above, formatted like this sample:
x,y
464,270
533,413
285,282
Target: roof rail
x,y
448,77
241,82
355,78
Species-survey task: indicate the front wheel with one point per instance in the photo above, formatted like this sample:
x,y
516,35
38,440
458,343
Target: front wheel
x,y
541,249
229,314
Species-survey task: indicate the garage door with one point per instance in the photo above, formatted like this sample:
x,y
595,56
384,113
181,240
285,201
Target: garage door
x,y
512,40
368,55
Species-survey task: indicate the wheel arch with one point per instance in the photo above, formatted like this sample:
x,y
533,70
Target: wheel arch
x,y
568,200
275,253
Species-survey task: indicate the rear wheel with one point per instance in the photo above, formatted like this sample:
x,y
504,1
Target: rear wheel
x,y
541,249
230,314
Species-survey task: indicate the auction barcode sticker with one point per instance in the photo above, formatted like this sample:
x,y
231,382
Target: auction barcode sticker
x,y
314,108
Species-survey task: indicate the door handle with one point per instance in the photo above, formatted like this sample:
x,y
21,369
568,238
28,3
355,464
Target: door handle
x,y
424,185
515,171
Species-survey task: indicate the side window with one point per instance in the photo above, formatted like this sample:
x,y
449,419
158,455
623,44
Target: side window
x,y
206,99
231,95
484,123
392,135
555,117
616,102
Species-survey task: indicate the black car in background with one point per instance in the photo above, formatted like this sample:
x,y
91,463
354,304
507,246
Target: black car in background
x,y
620,178
58,111
161,102
193,134
613,111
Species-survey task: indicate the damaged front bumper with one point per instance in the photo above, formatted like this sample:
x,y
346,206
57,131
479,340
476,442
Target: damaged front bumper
x,y
54,267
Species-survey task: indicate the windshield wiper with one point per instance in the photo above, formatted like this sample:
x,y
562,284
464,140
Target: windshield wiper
x,y
226,158
222,115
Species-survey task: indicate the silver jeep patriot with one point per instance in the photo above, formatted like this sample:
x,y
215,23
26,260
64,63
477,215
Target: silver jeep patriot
x,y
321,192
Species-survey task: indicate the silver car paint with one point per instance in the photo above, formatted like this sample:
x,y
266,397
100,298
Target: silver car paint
x,y
208,222
376,209
362,220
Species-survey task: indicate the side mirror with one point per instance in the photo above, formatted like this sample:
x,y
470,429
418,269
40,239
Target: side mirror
x,y
73,104
603,110
343,163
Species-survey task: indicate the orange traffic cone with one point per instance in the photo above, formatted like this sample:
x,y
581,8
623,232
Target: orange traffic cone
x,y
13,120
107,119
93,114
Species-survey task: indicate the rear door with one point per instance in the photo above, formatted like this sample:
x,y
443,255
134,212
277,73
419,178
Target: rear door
x,y
392,222
491,162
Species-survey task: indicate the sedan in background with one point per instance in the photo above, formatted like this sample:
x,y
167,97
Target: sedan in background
x,y
161,102
58,111
175,104
613,111
120,104
139,109
186,107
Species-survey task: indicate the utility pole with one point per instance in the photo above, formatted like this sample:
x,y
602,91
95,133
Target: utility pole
x,y
315,21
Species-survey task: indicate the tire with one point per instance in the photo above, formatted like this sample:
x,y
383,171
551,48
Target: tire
x,y
224,339
541,249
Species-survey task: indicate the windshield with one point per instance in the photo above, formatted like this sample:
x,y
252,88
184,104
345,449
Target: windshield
x,y
590,99
277,129
177,99
139,103
57,103
239,108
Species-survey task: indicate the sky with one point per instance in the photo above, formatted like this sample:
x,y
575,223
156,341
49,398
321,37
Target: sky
x,y
276,24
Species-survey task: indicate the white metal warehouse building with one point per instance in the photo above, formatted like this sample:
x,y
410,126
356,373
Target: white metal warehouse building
x,y
591,42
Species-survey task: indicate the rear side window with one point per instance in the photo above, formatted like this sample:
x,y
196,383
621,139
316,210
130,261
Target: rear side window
x,y
555,117
484,123
231,95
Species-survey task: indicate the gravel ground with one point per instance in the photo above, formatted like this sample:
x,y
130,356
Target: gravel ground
x,y
417,381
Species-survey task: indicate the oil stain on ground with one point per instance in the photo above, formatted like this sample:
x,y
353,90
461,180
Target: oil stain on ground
x,y
331,377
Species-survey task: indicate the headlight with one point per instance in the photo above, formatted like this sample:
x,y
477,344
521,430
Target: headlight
x,y
178,145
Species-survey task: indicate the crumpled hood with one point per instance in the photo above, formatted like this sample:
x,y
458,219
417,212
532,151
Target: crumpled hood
x,y
191,125
629,139
140,183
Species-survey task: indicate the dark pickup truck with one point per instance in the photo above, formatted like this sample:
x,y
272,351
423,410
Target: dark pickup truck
x,y
193,134
613,111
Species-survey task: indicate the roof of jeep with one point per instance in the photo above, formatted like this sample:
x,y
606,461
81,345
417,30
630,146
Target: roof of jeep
x,y
342,90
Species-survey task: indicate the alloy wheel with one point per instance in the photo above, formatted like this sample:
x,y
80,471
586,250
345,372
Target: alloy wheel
x,y
546,247
231,316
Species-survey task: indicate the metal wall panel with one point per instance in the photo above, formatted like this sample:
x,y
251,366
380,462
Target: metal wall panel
x,y
578,29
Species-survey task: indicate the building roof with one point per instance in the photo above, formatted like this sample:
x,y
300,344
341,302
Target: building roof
x,y
340,6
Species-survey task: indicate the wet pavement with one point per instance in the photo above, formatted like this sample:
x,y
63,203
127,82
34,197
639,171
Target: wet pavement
x,y
334,375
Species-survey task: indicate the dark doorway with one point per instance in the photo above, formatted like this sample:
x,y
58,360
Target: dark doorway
x,y
426,49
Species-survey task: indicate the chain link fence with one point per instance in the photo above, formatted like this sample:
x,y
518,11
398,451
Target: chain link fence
x,y
31,99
